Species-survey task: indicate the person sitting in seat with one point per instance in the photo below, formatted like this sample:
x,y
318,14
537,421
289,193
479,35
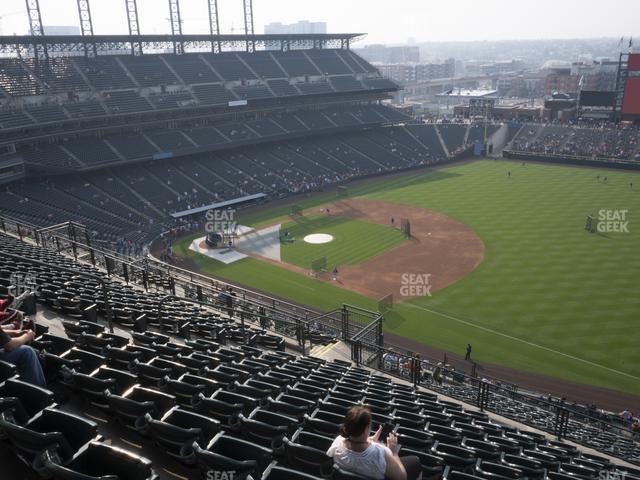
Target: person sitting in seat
x,y
9,314
356,450
14,349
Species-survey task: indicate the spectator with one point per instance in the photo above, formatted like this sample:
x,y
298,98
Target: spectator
x,y
9,313
14,349
357,451
229,299
626,416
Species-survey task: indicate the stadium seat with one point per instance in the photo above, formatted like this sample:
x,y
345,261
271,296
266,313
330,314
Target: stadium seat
x,y
131,407
496,471
457,457
432,465
322,423
307,452
101,380
275,472
530,467
29,399
7,370
267,428
291,405
414,438
483,449
188,387
225,453
100,462
224,411
75,360
177,430
341,474
60,433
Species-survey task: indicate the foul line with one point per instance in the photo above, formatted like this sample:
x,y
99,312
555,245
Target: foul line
x,y
531,344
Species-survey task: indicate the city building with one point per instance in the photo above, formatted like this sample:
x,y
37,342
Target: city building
x,y
61,30
385,55
567,77
411,73
301,27
501,67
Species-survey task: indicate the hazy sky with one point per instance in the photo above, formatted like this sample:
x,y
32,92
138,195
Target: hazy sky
x,y
388,21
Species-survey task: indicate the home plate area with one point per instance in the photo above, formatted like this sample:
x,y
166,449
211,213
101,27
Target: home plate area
x,y
264,243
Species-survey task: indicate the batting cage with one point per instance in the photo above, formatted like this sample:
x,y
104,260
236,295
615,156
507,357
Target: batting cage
x,y
319,265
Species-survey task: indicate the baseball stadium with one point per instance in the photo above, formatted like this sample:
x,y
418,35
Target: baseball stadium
x,y
215,246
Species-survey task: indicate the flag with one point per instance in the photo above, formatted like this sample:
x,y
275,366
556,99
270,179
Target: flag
x,y
581,83
630,44
620,42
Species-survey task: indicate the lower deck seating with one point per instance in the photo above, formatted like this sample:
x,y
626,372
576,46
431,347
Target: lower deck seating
x,y
613,143
153,190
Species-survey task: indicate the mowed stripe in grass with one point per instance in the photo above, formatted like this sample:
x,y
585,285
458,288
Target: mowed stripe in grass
x,y
354,241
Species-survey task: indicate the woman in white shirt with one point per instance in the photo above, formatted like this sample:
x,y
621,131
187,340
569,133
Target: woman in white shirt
x,y
356,450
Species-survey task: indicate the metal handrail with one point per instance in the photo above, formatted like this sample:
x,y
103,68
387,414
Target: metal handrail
x,y
300,324
206,282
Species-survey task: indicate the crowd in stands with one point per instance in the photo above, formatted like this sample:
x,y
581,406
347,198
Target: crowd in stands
x,y
606,141
127,206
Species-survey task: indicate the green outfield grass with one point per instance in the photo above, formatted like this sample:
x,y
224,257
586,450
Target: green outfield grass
x,y
354,241
548,298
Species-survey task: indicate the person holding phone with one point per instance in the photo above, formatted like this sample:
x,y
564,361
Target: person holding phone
x,y
357,451
14,350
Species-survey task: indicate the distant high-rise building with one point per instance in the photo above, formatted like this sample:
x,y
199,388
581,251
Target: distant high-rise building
x,y
61,30
502,67
301,27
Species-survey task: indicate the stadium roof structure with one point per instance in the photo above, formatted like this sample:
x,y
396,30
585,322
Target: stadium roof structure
x,y
67,45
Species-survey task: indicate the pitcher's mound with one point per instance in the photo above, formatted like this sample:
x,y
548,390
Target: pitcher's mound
x,y
318,238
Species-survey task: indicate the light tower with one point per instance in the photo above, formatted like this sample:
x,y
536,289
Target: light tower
x,y
86,26
214,25
134,26
248,24
176,26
